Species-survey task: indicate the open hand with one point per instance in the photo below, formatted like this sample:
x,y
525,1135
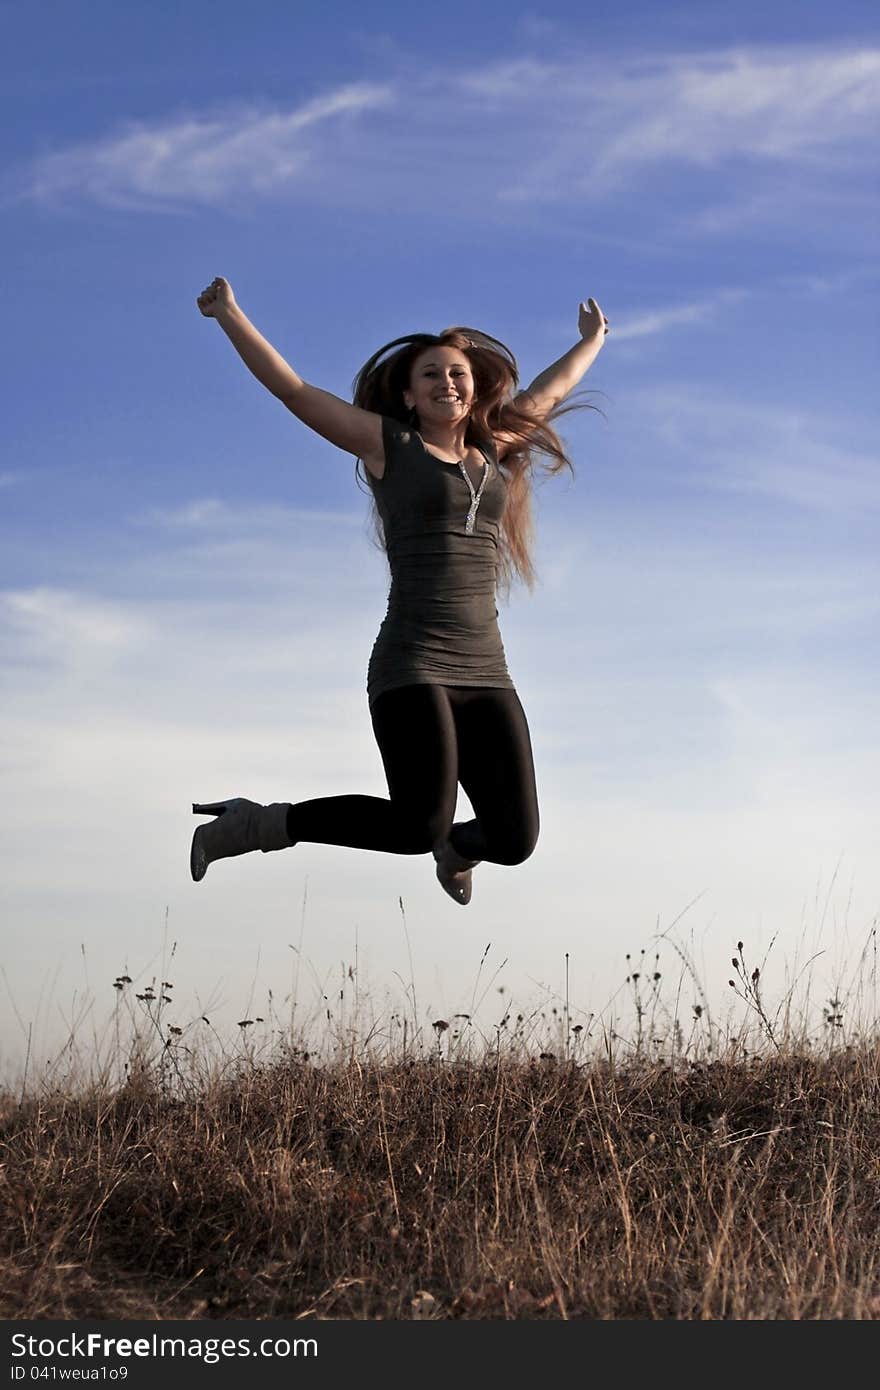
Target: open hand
x,y
216,298
592,323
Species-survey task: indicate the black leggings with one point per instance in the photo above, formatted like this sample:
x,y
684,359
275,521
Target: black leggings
x,y
432,737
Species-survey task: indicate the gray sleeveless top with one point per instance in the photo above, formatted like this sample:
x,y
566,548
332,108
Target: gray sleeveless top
x,y
441,535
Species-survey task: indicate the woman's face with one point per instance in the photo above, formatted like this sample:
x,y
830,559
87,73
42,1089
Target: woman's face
x,y
441,386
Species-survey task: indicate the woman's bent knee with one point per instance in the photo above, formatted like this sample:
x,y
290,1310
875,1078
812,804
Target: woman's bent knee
x,y
415,836
517,849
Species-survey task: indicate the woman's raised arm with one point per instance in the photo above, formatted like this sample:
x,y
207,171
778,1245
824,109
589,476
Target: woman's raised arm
x,y
347,426
561,377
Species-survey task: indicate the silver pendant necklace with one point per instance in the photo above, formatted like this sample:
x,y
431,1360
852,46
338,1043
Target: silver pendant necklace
x,y
471,518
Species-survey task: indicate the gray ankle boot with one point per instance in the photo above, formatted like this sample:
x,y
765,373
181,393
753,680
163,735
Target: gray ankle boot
x,y
240,826
454,873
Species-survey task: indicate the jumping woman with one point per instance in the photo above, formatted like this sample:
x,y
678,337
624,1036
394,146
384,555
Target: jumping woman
x,y
449,450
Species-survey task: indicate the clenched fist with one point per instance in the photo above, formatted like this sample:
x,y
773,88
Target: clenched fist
x,y
216,298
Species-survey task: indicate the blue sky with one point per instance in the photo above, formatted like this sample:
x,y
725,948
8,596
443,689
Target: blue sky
x,y
188,594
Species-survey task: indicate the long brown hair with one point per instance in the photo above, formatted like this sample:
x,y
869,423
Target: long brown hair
x,y
381,382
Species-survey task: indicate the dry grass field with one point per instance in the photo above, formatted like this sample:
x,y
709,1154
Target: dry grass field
x,y
443,1176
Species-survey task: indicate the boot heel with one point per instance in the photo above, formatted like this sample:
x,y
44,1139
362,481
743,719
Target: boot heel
x,y
238,827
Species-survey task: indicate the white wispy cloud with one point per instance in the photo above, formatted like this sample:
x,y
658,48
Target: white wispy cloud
x,y
838,283
516,130
58,618
213,514
291,578
764,104
200,159
785,453
825,478
671,315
